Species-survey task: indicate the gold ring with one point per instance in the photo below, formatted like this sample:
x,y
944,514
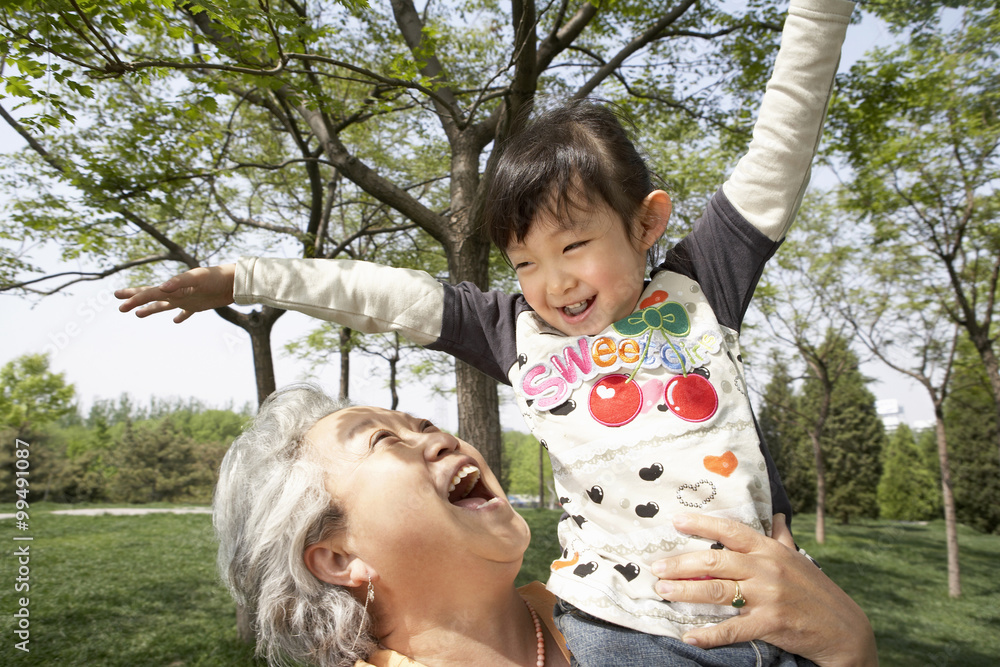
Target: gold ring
x,y
738,599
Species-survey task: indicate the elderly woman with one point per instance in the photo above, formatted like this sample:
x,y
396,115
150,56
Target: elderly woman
x,y
358,533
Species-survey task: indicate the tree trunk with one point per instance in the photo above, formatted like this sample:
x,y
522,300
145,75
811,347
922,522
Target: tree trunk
x,y
258,324
478,404
820,489
469,260
950,520
541,475
394,370
993,373
345,363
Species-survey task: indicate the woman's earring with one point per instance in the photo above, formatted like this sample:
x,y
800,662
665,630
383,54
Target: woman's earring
x,y
369,597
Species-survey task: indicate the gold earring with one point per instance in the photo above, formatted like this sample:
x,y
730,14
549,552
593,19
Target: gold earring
x,y
369,597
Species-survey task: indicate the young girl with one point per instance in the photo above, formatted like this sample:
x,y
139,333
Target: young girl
x,y
635,387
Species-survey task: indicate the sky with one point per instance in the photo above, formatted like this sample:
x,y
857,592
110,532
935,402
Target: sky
x,y
104,353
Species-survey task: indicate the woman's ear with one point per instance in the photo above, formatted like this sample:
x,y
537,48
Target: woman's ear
x,y
654,215
328,563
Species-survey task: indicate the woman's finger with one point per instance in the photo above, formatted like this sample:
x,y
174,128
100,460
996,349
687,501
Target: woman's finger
x,y
732,534
731,631
704,591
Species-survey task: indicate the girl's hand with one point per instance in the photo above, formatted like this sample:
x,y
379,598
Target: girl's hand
x,y
789,601
192,291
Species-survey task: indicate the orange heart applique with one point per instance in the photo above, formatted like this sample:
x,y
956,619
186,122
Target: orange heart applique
x,y
560,564
722,465
659,296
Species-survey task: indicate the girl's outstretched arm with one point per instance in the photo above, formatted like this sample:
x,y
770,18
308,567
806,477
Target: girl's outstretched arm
x,y
199,289
767,185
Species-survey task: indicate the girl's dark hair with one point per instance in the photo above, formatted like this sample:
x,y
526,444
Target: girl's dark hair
x,y
578,149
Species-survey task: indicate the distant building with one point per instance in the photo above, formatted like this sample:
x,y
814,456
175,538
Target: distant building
x,y
890,412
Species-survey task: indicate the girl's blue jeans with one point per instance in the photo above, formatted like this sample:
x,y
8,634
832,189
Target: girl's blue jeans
x,y
597,643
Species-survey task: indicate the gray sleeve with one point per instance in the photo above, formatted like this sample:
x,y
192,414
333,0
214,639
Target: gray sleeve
x,y
479,328
725,255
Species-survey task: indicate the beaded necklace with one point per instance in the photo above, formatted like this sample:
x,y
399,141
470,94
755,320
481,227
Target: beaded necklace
x,y
539,635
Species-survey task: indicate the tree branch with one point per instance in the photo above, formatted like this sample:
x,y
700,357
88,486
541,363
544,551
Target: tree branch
x,y
84,276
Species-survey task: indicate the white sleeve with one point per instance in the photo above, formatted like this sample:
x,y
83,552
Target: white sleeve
x,y
769,181
370,298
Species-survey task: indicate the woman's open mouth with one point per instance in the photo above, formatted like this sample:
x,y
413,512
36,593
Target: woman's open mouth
x,y
467,489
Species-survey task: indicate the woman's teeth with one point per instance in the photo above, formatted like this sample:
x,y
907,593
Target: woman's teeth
x,y
469,484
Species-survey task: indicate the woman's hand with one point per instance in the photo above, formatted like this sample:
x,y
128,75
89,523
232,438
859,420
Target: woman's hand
x,y
192,291
789,601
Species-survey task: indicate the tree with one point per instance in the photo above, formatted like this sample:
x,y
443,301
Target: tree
x,y
779,423
155,462
403,105
32,396
908,489
918,126
793,299
530,469
972,429
853,441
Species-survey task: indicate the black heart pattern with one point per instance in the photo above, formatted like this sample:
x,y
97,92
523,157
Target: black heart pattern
x,y
651,473
583,569
579,520
564,409
648,510
630,571
596,494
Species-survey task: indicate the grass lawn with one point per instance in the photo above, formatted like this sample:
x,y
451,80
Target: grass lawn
x,y
142,590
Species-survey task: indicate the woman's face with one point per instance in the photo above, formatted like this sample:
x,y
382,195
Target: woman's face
x,y
415,497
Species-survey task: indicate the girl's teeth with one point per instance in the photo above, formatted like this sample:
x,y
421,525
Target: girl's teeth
x,y
576,308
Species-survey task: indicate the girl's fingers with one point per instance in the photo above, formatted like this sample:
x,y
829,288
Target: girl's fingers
x,y
153,308
135,296
781,532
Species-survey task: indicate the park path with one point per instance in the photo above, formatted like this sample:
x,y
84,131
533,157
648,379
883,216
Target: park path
x,y
125,511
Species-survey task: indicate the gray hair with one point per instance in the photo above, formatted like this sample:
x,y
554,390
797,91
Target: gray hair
x,y
270,504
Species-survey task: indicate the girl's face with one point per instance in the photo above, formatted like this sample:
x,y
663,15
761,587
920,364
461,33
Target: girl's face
x,y
582,275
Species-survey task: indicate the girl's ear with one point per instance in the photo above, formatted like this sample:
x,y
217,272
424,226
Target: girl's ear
x,y
328,563
654,215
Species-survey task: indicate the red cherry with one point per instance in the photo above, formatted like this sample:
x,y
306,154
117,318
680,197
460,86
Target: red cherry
x,y
614,401
691,397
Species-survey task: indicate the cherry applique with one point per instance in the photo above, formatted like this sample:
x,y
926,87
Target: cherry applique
x,y
691,397
614,401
